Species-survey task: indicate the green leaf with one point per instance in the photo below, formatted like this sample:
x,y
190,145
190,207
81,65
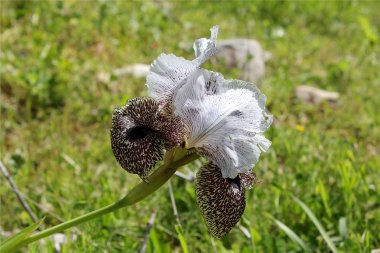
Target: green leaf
x,y
181,238
155,241
292,235
320,228
321,189
255,238
366,26
15,242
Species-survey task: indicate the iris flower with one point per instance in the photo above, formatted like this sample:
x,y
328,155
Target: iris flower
x,y
223,120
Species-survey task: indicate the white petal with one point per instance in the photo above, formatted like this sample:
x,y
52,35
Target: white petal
x,y
167,73
224,125
225,85
205,48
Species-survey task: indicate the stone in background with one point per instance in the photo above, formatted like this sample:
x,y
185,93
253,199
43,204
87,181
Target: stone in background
x,y
245,54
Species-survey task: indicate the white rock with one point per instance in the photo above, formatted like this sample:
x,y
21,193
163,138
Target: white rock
x,y
312,95
138,70
246,55
104,77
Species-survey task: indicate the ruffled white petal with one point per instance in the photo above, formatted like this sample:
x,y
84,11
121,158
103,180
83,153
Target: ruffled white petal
x,y
224,120
166,74
169,72
224,85
205,48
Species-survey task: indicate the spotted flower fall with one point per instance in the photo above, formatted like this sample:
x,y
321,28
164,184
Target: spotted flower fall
x,y
197,110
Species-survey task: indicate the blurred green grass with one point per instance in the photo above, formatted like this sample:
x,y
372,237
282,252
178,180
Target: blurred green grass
x,y
53,107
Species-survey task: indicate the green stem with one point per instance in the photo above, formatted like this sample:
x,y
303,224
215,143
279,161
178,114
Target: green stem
x,y
73,222
157,179
174,160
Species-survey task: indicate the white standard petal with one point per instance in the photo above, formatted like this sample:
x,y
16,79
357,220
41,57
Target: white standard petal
x,y
205,48
169,72
226,125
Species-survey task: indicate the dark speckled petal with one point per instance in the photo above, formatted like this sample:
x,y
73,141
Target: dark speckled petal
x,y
248,179
221,200
139,134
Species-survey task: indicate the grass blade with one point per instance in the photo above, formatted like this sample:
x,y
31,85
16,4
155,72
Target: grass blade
x,y
13,243
289,232
155,241
292,235
182,239
320,228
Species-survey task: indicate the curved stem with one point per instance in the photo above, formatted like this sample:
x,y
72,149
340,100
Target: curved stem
x,y
157,179
76,221
139,192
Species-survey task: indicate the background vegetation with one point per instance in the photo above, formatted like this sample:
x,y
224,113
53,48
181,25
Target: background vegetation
x,y
56,114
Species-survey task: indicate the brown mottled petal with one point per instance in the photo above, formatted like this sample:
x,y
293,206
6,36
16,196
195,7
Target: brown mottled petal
x,y
139,134
221,200
170,129
248,179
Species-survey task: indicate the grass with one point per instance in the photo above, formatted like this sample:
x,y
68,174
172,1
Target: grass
x,y
56,114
